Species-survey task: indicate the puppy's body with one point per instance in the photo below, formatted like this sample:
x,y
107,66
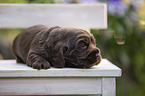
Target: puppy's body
x,y
42,47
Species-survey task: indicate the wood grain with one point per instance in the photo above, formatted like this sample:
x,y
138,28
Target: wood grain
x,y
64,15
108,87
50,86
9,68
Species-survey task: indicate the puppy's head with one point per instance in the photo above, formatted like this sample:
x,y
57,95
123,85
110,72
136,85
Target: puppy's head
x,y
80,49
73,48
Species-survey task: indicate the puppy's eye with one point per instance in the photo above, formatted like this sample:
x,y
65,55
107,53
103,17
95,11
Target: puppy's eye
x,y
84,46
65,49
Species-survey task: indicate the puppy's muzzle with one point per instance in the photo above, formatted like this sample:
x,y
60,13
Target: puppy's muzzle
x,y
95,56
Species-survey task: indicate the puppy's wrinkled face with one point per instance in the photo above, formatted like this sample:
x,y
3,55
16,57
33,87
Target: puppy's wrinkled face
x,y
84,53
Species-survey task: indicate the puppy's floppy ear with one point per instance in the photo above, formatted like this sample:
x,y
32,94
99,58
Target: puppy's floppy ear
x,y
43,38
57,56
55,43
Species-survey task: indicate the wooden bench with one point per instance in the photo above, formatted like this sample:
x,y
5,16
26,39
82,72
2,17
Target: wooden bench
x,y
19,79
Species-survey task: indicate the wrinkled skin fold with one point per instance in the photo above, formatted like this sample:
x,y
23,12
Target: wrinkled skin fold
x,y
42,47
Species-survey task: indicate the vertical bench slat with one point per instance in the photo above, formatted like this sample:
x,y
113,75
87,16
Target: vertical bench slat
x,y
109,86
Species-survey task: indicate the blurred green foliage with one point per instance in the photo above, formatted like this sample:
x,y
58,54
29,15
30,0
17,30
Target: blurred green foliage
x,y
13,1
123,43
6,38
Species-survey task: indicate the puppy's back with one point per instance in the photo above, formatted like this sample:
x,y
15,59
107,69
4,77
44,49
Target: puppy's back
x,y
22,42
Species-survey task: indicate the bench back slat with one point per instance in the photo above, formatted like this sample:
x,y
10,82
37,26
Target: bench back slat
x,y
64,15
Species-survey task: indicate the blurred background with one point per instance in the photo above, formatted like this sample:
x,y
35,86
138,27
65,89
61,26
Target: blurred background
x,y
123,43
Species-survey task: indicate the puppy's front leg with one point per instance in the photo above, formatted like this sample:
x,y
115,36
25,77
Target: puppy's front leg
x,y
36,61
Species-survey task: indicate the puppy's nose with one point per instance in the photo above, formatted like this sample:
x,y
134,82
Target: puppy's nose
x,y
97,51
97,54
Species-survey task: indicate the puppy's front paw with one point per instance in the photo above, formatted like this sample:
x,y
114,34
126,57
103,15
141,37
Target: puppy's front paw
x,y
37,62
41,64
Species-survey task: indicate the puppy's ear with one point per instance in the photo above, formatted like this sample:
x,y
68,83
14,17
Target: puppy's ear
x,y
58,57
55,43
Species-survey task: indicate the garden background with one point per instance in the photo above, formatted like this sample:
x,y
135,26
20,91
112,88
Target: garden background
x,y
123,43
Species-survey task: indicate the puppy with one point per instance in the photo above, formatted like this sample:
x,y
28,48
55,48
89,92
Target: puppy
x,y
41,47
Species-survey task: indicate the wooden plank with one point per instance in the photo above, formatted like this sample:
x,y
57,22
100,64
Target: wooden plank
x,y
9,68
50,86
64,15
108,87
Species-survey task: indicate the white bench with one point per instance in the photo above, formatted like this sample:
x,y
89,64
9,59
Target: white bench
x,y
19,79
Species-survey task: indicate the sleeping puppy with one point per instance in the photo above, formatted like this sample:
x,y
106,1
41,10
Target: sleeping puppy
x,y
41,47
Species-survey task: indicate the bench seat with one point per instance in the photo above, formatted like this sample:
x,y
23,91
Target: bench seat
x,y
19,79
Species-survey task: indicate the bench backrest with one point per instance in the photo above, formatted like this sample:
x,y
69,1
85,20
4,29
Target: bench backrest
x,y
64,15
